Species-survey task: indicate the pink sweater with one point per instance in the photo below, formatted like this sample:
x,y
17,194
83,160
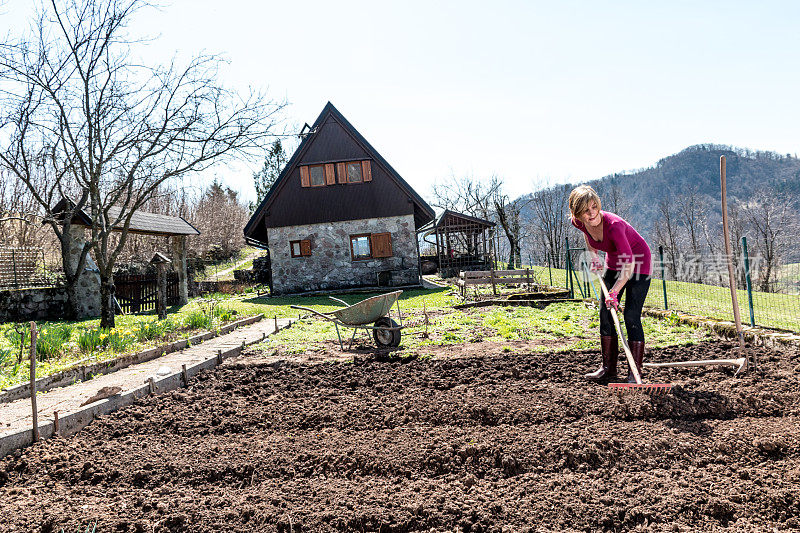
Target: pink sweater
x,y
621,243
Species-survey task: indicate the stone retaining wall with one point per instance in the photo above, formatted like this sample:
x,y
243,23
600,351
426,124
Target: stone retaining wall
x,y
330,265
49,303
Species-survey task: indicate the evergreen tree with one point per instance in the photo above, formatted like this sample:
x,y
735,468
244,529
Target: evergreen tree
x,y
266,177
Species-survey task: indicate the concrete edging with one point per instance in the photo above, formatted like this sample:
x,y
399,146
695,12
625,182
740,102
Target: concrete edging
x,y
84,372
71,423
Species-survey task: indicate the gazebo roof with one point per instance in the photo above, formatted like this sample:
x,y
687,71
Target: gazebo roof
x,y
141,222
453,221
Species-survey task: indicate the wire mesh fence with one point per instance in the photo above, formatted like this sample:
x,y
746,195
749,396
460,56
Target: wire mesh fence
x,y
28,267
768,295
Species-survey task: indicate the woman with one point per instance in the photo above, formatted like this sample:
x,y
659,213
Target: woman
x,y
627,264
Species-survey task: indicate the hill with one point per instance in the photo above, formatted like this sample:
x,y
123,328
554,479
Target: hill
x,y
697,168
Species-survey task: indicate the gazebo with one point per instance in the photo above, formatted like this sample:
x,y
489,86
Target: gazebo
x,y
460,242
142,223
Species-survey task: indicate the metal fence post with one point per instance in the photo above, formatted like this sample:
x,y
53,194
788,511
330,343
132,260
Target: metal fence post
x,y
663,276
549,269
747,282
568,265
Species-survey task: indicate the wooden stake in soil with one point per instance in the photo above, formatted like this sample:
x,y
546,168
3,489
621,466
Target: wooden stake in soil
x,y
726,234
55,423
185,376
219,357
152,383
33,383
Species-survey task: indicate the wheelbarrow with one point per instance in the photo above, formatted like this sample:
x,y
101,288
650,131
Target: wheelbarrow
x,y
369,314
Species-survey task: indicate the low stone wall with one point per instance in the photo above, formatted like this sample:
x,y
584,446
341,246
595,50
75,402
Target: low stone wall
x,y
49,303
330,265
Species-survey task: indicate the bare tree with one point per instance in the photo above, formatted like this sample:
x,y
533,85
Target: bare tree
x,y
768,216
549,220
509,215
220,217
667,235
467,195
82,119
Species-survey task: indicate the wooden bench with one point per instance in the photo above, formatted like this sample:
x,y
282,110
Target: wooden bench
x,y
494,278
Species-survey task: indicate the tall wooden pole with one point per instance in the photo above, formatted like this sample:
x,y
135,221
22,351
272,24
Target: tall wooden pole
x,y
33,383
728,253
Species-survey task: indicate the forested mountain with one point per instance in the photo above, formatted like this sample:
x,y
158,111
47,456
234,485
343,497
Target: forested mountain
x,y
677,204
697,169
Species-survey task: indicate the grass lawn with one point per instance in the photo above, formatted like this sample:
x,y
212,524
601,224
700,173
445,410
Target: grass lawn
x,y
559,327
781,311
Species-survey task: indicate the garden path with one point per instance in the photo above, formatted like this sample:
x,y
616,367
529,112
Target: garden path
x,y
17,415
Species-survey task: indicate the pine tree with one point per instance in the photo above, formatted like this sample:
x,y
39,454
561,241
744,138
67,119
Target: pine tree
x,y
266,177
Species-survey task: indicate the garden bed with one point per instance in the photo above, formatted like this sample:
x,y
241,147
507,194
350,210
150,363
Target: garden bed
x,y
512,442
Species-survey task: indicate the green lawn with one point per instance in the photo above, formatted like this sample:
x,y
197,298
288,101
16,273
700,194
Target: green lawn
x,y
559,327
781,311
566,326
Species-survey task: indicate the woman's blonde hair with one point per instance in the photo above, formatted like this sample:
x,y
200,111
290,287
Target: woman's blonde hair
x,y
580,198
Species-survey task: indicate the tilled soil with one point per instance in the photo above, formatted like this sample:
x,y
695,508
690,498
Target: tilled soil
x,y
502,442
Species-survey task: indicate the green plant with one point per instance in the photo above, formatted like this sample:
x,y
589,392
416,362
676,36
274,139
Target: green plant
x,y
89,339
52,339
198,320
119,339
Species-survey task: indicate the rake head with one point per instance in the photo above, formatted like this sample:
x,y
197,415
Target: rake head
x,y
653,389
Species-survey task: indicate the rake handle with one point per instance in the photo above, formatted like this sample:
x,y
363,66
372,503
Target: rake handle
x,y
626,349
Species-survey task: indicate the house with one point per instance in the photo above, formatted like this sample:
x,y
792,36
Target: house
x,y
339,216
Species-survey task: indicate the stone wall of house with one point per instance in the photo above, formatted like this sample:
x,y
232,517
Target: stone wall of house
x,y
330,265
49,303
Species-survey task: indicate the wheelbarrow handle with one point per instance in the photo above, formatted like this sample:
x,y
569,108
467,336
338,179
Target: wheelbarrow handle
x,y
340,301
323,315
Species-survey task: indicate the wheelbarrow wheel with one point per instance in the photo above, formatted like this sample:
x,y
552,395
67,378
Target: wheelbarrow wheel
x,y
385,338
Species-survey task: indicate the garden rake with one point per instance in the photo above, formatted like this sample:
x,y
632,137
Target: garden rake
x,y
648,388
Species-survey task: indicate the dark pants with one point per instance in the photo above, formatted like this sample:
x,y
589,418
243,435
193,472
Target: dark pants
x,y
636,291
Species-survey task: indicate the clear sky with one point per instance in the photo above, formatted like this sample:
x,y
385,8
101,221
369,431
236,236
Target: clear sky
x,y
530,91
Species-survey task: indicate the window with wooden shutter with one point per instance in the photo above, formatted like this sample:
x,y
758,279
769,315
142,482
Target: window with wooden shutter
x,y
330,174
381,245
300,248
354,173
342,172
366,170
316,174
304,181
360,246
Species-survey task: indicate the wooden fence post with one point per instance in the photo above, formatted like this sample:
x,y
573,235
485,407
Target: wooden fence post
x,y
33,383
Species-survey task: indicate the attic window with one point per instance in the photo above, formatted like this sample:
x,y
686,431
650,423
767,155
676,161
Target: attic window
x,y
316,175
354,173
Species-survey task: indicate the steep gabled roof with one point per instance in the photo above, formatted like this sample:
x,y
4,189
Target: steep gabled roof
x,y
141,222
423,212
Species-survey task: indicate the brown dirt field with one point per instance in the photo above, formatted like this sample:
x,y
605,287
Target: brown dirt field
x,y
502,442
